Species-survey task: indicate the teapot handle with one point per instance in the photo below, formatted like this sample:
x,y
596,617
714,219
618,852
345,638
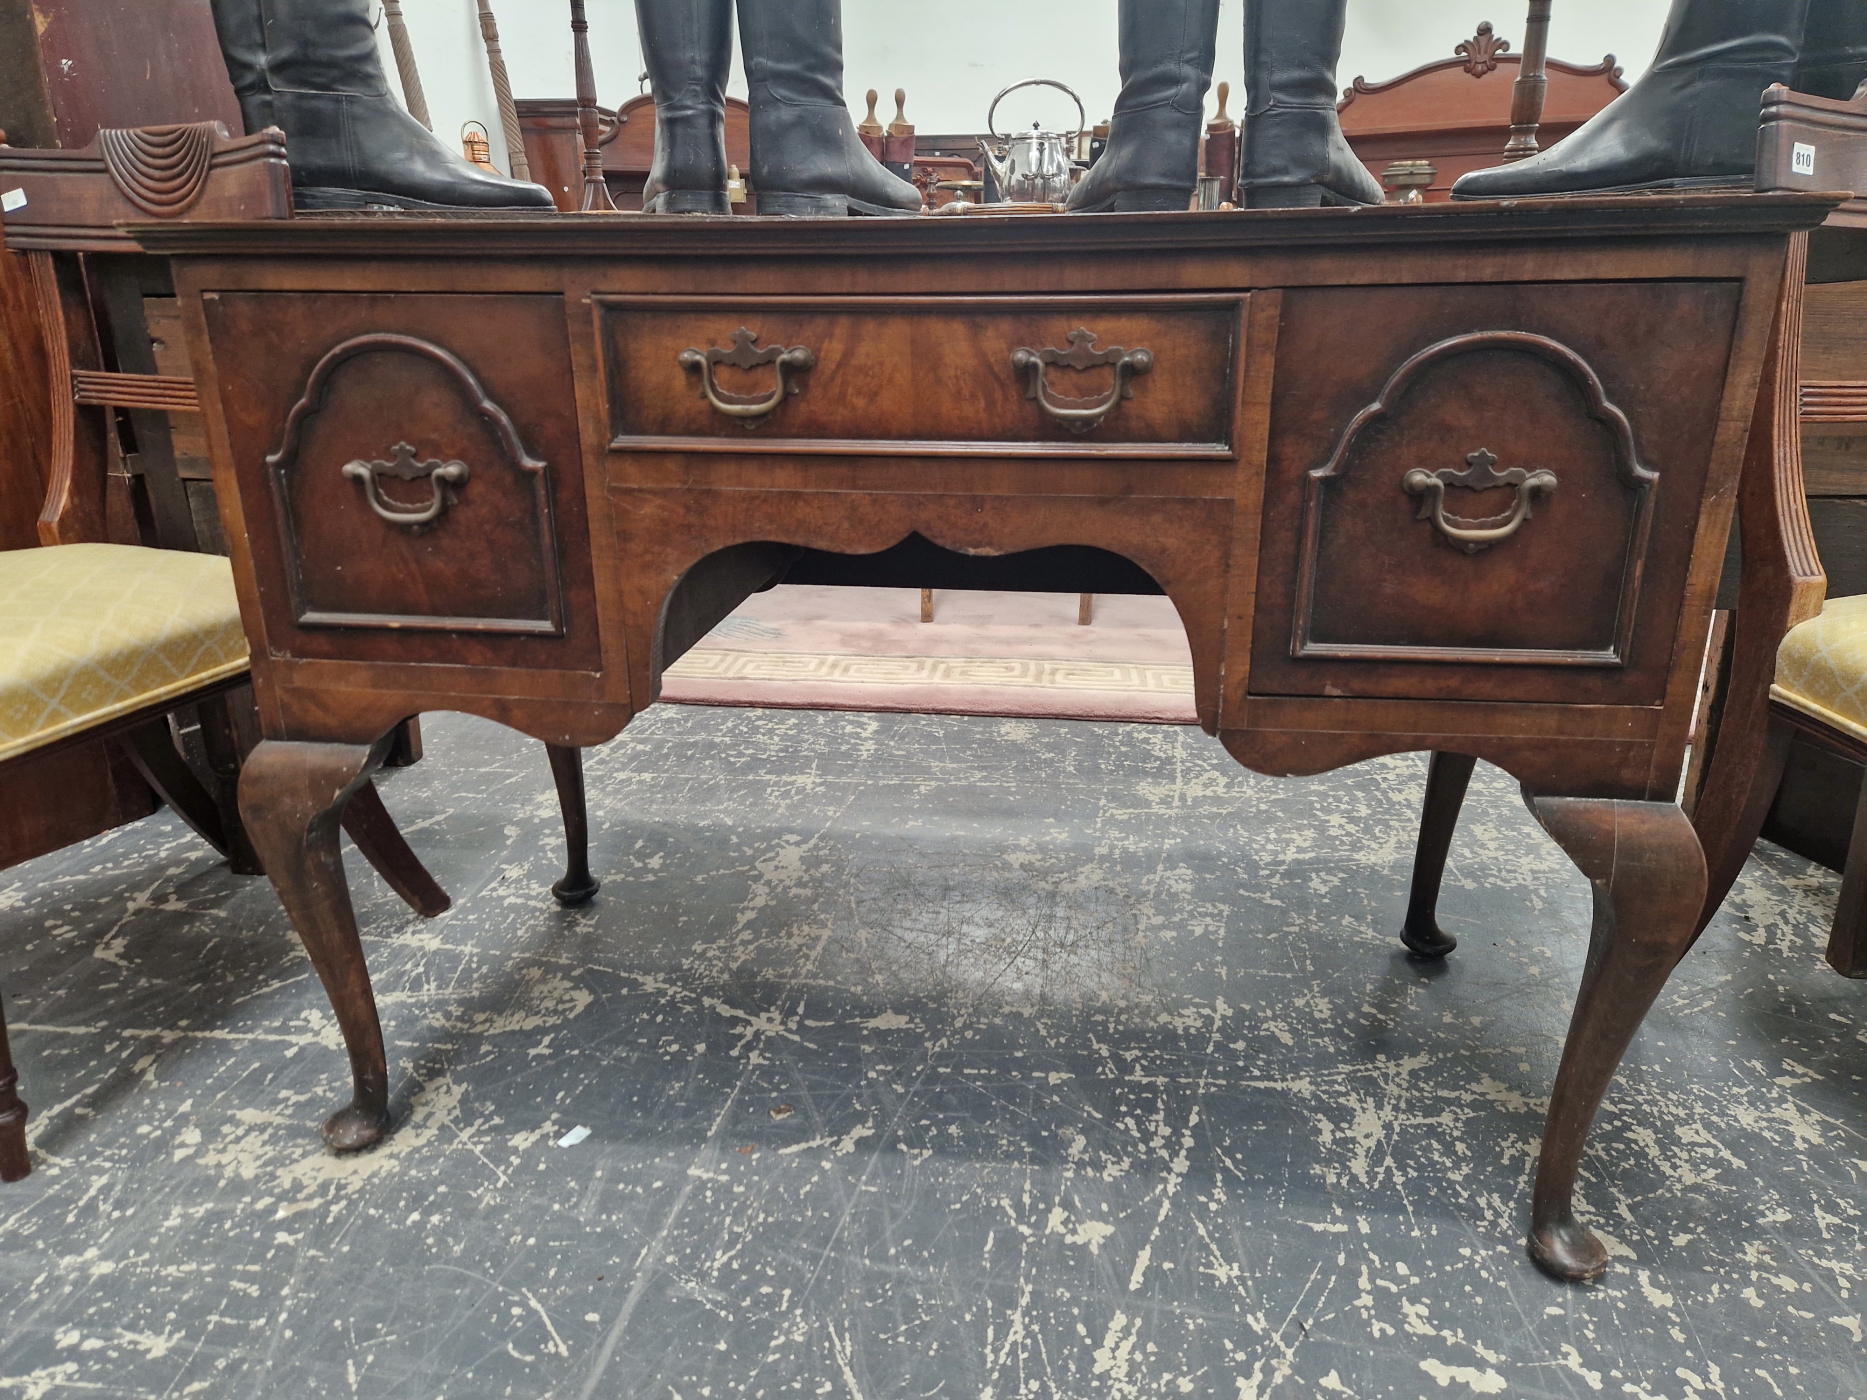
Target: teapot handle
x,y
1082,117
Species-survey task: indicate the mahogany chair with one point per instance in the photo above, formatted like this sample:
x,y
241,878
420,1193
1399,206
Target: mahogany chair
x,y
1821,694
119,626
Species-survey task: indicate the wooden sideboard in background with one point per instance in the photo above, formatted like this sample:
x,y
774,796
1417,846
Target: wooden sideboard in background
x,y
1455,113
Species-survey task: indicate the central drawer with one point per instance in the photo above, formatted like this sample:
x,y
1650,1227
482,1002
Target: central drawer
x,y
1145,377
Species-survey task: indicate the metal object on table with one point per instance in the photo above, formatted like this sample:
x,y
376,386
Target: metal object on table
x,y
1532,85
1035,166
1407,180
964,191
477,146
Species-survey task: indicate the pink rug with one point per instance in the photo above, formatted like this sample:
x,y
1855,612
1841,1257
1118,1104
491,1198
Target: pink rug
x,y
810,647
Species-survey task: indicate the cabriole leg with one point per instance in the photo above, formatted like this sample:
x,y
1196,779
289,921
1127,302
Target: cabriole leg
x,y
292,796
1648,873
1447,776
380,842
578,886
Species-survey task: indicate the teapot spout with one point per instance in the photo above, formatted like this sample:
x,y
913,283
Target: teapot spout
x,y
998,164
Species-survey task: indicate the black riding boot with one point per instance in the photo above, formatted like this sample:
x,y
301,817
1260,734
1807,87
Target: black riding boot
x,y
310,67
1833,62
1295,153
1691,119
806,157
687,47
1152,158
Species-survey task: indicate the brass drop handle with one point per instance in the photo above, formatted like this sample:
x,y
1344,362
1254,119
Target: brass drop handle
x,y
1080,415
746,354
1479,475
403,466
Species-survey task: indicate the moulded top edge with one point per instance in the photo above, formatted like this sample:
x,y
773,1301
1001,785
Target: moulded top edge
x,y
1667,215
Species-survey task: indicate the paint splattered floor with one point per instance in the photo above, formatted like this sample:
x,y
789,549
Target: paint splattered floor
x,y
920,1056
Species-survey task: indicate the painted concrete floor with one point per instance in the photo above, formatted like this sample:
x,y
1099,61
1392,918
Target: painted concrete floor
x,y
920,1056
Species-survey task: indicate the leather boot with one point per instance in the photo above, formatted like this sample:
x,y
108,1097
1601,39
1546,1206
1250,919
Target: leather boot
x,y
311,68
807,160
1295,153
687,47
1833,61
1152,158
1690,120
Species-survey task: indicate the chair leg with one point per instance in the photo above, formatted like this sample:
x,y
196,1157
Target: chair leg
x,y
1447,776
1847,940
1744,772
151,747
293,797
221,742
14,1160
405,751
578,886
1648,873
381,843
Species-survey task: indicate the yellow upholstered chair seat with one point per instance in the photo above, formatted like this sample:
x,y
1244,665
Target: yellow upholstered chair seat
x,y
1821,667
90,632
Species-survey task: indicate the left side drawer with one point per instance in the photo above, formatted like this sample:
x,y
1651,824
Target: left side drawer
x,y
409,474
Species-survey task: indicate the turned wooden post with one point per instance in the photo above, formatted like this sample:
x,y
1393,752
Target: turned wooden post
x,y
1526,97
520,167
412,96
596,198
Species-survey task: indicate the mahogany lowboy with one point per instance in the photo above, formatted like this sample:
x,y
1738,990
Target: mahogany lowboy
x,y
1438,478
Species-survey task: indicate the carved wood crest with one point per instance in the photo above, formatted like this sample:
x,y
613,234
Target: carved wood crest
x,y
162,170
1481,50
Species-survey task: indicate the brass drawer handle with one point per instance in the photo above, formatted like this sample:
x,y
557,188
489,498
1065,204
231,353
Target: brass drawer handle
x,y
1480,474
403,467
1082,354
747,355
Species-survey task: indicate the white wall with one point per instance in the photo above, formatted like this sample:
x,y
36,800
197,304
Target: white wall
x,y
953,55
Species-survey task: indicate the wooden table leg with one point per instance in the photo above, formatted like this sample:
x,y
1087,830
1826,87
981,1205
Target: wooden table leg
x,y
292,796
14,1161
380,842
1447,776
1648,871
578,886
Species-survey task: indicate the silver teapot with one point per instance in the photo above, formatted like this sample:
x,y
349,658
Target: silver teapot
x,y
1035,166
